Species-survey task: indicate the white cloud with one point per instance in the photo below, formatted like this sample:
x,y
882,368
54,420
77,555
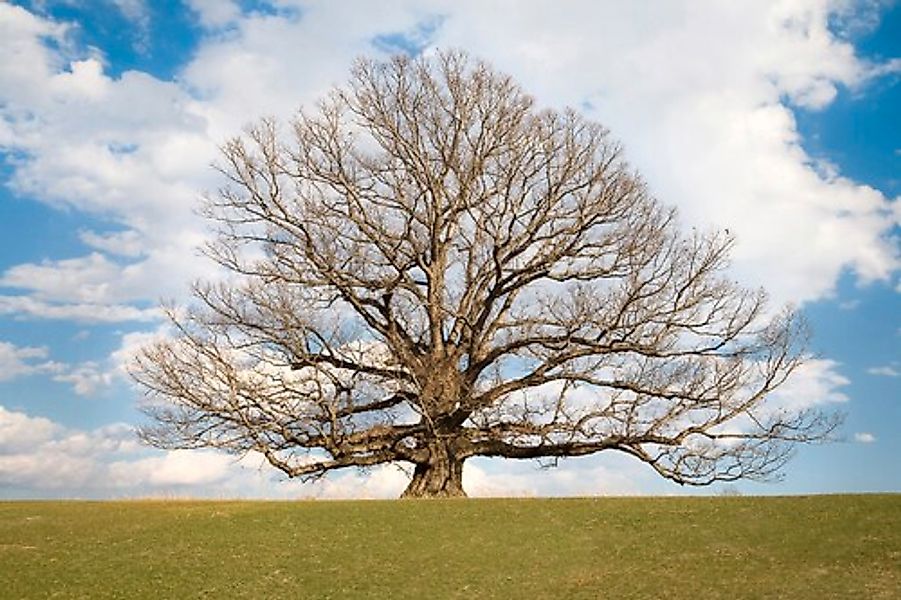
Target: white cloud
x,y
694,89
18,431
23,35
87,279
120,243
604,475
708,130
40,458
96,279
215,13
86,378
385,481
19,361
176,468
864,438
884,371
129,150
817,382
28,307
38,454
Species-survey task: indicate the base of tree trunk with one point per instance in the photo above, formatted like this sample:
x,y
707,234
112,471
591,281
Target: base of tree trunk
x,y
442,480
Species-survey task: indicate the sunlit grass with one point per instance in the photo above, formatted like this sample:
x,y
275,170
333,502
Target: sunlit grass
x,y
801,547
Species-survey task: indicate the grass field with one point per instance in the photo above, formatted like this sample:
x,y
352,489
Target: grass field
x,y
801,547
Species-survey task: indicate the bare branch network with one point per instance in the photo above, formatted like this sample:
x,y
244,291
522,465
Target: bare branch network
x,y
427,268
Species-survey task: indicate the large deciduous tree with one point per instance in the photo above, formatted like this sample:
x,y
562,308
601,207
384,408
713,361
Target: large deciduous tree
x,y
427,268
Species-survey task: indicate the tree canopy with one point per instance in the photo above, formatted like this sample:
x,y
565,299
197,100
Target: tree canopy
x,y
427,268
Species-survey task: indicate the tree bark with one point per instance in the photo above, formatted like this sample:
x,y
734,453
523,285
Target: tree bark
x,y
440,477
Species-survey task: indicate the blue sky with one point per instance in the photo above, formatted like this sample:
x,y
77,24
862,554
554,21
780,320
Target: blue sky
x,y
779,120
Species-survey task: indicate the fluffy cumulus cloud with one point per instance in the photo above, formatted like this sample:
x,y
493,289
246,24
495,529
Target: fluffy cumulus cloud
x,y
19,431
39,454
817,382
129,150
41,458
604,475
86,378
21,307
20,361
702,94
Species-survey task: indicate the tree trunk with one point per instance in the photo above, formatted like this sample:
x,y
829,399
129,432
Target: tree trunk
x,y
440,477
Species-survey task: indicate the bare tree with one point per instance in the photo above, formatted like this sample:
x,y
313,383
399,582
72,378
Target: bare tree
x,y
428,268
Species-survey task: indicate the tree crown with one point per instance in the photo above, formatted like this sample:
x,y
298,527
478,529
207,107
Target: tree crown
x,y
427,268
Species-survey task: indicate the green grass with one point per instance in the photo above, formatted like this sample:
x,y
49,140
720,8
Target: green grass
x,y
801,547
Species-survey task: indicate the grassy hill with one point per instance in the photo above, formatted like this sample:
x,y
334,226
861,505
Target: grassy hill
x,y
798,547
